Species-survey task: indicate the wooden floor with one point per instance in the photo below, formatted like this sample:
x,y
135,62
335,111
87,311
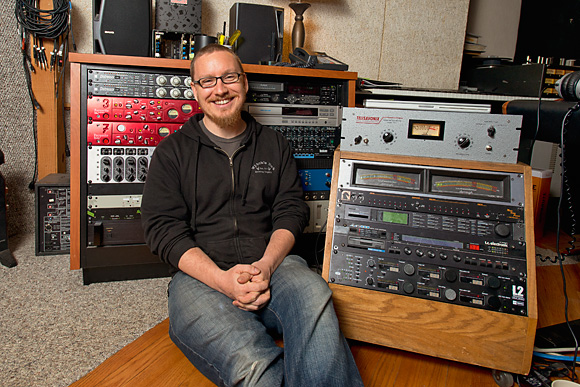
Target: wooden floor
x,y
153,360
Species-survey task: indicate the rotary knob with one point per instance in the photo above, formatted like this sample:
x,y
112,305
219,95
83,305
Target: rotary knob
x,y
175,93
493,282
450,275
357,140
494,302
502,230
370,281
161,92
188,94
388,137
161,80
175,81
409,269
450,294
463,142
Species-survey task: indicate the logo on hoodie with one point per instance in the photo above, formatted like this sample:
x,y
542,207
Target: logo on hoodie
x,y
263,167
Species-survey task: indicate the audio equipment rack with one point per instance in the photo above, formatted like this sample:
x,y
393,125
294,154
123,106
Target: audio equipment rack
x,y
106,141
416,265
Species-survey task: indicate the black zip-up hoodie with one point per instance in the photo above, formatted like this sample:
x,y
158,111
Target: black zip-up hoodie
x,y
197,196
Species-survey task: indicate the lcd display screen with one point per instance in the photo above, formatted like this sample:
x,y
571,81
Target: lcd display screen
x,y
395,217
306,90
300,111
432,241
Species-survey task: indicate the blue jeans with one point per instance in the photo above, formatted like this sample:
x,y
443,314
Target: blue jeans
x,y
233,347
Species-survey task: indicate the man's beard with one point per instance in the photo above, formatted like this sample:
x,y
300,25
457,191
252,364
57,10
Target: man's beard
x,y
228,120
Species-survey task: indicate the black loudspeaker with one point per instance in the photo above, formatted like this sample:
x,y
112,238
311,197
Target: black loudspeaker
x,y
262,28
122,27
568,86
178,16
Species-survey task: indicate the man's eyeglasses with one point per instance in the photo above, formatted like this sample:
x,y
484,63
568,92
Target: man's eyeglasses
x,y
228,78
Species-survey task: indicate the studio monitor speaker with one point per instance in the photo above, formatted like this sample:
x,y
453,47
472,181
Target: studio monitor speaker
x,y
262,28
122,27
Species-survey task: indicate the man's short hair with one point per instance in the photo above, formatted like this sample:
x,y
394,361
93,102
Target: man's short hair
x,y
210,49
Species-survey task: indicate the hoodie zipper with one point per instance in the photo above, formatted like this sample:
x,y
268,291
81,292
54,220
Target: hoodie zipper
x,y
232,195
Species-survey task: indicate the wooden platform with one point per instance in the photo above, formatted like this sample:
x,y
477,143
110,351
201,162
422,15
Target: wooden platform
x,y
153,360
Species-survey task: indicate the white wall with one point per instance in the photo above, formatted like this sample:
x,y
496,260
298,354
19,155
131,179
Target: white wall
x,y
415,42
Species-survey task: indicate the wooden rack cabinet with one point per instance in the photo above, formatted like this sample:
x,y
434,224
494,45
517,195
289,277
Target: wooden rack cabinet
x,y
347,79
450,331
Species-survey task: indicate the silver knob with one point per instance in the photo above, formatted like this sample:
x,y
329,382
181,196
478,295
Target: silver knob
x,y
161,80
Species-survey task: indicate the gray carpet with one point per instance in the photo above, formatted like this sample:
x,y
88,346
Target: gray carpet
x,y
54,329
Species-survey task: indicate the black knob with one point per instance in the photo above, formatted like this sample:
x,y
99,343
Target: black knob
x,y
491,131
494,302
388,137
408,287
463,142
493,282
357,140
409,269
450,275
370,281
502,230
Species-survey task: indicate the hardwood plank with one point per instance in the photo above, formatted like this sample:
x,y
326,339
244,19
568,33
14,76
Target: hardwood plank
x,y
49,119
378,366
153,360
549,239
75,166
419,370
551,293
460,374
